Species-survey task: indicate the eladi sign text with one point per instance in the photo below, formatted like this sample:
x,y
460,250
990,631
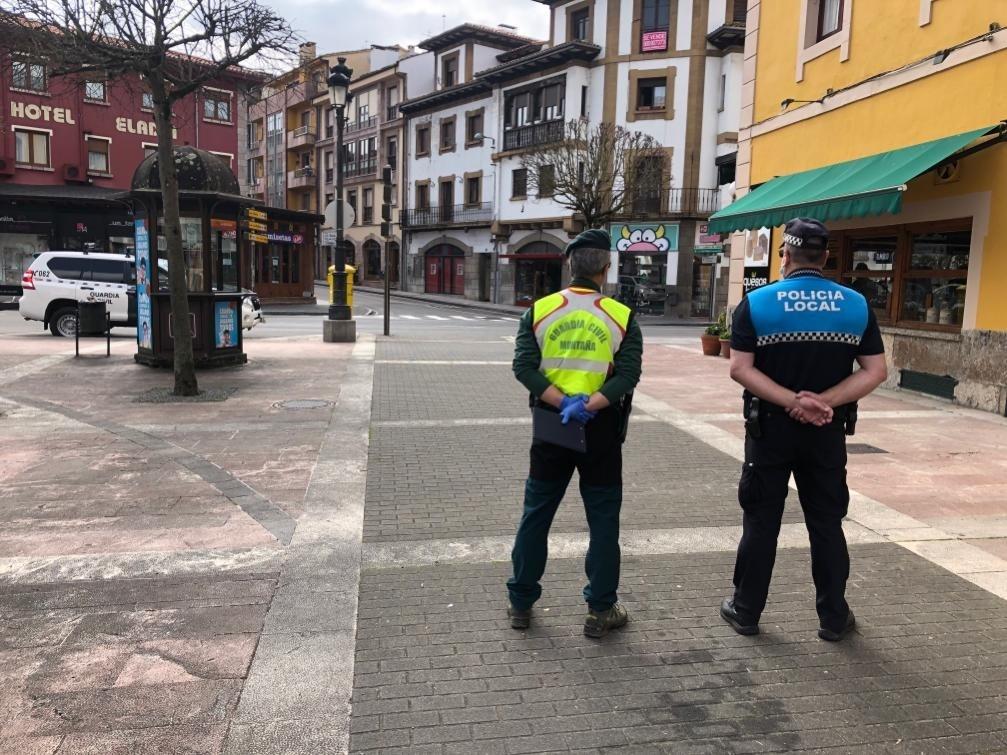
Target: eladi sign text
x,y
29,111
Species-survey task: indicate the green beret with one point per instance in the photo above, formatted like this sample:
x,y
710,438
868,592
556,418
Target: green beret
x,y
593,238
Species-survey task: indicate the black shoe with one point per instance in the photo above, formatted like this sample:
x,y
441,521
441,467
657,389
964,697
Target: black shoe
x,y
831,636
738,623
519,619
597,624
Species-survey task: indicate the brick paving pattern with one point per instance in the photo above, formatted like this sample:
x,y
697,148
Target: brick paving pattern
x,y
438,669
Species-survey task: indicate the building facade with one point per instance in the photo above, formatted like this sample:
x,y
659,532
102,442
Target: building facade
x,y
912,190
68,144
641,65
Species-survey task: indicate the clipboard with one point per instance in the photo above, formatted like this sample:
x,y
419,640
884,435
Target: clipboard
x,y
548,427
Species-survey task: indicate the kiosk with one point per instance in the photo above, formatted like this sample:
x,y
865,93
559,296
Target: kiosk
x,y
213,229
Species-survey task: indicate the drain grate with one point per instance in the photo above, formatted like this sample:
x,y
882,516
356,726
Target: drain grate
x,y
302,404
863,448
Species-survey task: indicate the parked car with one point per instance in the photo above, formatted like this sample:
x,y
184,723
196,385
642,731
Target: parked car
x,y
56,281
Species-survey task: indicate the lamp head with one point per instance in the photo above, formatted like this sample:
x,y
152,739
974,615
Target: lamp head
x,y
339,83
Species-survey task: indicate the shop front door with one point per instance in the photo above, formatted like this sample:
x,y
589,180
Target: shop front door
x,y
445,270
278,271
538,272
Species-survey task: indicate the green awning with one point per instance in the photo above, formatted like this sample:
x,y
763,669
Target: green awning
x,y
856,188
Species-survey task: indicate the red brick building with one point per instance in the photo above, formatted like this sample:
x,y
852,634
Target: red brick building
x,y
66,145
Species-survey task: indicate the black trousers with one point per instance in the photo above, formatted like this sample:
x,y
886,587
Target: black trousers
x,y
817,458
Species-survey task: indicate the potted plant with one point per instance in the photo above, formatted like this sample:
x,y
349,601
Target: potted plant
x,y
725,343
711,340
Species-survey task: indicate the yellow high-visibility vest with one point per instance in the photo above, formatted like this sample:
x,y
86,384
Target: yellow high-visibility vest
x,y
579,332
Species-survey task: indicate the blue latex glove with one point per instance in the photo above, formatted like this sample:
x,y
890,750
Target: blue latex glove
x,y
568,401
577,410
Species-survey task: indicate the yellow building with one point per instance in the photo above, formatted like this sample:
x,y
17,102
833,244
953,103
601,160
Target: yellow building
x,y
885,120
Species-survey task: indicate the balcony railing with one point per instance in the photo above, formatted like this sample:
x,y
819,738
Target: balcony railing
x,y
360,124
392,113
330,175
365,167
302,136
459,214
534,135
696,203
301,178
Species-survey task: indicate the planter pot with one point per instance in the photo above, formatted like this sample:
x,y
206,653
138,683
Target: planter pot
x,y
711,345
725,348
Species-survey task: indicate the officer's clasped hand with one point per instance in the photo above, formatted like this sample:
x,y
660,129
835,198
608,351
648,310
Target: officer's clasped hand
x,y
575,407
811,410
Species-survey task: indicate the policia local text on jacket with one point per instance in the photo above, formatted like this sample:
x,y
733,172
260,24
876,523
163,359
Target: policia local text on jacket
x,y
540,361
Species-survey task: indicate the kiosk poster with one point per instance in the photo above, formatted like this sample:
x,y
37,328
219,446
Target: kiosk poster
x,y
757,256
225,323
143,324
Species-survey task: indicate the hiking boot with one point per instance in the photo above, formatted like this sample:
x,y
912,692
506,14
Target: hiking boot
x,y
832,636
519,618
598,623
740,624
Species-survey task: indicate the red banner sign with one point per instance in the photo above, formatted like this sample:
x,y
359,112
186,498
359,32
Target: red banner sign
x,y
654,41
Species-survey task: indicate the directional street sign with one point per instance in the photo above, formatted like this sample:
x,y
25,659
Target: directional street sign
x,y
256,214
258,238
253,226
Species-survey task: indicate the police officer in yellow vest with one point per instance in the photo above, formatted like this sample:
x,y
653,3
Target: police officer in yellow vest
x,y
578,353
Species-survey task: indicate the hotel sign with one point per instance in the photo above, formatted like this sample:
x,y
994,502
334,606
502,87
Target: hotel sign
x,y
29,111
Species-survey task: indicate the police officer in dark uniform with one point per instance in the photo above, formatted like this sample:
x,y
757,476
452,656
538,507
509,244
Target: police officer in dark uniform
x,y
793,347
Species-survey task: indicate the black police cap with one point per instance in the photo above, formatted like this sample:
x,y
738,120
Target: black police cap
x,y
806,233
593,238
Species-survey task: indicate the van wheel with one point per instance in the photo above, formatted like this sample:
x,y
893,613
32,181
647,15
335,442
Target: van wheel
x,y
64,323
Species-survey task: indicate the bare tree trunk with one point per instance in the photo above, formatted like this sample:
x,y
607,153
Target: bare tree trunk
x,y
185,363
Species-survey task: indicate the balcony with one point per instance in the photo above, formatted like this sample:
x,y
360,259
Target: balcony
x,y
361,124
534,135
365,167
302,137
681,203
330,176
302,178
392,113
449,215
255,185
732,32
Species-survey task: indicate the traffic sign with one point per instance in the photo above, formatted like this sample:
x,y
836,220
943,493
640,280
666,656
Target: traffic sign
x,y
257,214
349,216
253,226
329,237
258,238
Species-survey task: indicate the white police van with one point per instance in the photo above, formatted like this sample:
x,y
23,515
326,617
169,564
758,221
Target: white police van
x,y
56,281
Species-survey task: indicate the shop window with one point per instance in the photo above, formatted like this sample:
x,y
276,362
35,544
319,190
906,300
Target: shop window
x,y
447,134
216,107
934,286
871,271
546,180
97,155
830,18
473,190
95,91
474,128
423,140
651,94
29,75
32,147
580,25
519,183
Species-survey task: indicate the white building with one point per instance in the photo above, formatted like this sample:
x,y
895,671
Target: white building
x,y
669,69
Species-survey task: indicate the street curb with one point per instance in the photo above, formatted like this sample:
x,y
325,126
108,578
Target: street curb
x,y
494,309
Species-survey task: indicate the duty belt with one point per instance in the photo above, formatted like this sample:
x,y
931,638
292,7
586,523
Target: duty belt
x,y
757,409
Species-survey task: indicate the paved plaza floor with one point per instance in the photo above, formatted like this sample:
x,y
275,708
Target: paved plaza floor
x,y
252,576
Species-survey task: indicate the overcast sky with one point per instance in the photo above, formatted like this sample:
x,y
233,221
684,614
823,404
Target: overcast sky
x,y
352,24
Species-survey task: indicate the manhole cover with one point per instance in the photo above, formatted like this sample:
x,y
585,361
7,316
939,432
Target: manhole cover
x,y
863,448
301,404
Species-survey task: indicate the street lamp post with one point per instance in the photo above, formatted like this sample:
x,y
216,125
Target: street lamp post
x,y
340,325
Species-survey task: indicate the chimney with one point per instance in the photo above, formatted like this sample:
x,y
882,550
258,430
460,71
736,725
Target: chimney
x,y
307,52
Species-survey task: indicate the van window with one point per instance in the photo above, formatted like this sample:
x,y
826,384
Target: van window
x,y
65,267
107,271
